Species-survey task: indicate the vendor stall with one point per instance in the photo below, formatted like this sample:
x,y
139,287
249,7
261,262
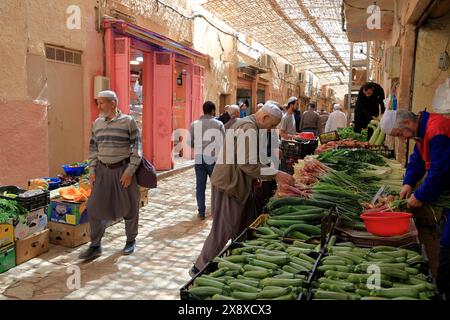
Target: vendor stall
x,y
319,240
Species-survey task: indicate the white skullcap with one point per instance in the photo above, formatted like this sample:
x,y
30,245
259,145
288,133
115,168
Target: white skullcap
x,y
109,95
273,102
388,121
291,99
273,110
336,107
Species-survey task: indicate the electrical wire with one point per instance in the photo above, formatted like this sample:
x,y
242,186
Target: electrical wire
x,y
365,9
440,72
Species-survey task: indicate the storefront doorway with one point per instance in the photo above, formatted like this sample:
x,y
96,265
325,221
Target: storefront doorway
x,y
136,85
159,87
244,95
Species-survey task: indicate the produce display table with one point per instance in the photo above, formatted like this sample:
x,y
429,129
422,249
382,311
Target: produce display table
x,y
311,243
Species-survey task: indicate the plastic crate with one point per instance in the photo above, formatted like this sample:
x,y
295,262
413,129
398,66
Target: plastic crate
x,y
328,225
260,221
184,291
423,266
213,266
328,137
291,149
29,203
287,164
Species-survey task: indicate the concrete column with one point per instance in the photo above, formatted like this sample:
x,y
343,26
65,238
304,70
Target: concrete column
x,y
407,44
254,94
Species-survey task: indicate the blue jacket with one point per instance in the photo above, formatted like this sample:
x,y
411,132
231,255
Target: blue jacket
x,y
438,177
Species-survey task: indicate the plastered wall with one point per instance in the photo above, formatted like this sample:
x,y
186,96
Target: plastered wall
x,y
433,39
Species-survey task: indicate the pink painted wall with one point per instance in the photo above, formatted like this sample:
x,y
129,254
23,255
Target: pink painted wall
x,y
23,142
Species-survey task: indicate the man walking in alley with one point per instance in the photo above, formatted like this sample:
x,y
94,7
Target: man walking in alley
x,y
233,181
323,118
310,120
225,116
287,125
204,163
431,159
233,110
243,106
114,156
369,106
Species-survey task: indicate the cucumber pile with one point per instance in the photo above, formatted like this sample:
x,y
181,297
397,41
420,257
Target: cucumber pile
x,y
347,270
294,218
259,269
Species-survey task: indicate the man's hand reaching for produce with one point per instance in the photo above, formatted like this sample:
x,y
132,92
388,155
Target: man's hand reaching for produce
x,y
413,203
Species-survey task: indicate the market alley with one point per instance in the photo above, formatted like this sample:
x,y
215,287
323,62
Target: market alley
x,y
171,236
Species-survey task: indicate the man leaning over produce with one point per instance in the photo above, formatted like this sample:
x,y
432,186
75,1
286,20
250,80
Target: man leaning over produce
x,y
431,157
233,182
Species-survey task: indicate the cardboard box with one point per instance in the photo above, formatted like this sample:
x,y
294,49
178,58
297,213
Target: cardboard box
x,y
62,211
69,236
6,234
32,246
34,222
7,258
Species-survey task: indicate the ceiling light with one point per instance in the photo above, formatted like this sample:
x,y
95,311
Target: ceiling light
x,y
134,62
140,59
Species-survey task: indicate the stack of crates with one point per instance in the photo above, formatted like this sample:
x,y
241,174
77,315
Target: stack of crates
x,y
25,238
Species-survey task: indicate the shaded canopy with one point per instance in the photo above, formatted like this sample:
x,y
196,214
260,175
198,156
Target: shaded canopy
x,y
307,33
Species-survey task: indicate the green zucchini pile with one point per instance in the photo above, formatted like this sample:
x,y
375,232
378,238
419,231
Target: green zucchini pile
x,y
345,274
260,269
294,218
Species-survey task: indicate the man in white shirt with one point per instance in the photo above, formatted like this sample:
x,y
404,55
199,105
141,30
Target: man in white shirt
x,y
287,124
336,120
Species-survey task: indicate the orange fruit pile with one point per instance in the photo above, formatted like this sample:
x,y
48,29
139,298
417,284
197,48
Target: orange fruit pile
x,y
79,194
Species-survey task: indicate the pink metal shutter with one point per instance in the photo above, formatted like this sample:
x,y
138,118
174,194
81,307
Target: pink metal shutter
x,y
122,73
198,85
147,112
162,110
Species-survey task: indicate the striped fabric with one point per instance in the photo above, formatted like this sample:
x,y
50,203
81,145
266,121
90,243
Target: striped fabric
x,y
115,140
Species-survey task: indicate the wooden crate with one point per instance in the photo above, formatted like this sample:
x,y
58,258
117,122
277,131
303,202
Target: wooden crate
x,y
32,246
260,221
69,236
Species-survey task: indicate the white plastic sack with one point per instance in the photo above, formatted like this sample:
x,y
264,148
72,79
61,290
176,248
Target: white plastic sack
x,y
441,101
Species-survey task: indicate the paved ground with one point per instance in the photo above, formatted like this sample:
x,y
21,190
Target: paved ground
x,y
171,237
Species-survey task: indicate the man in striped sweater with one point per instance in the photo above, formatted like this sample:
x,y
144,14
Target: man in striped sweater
x,y
114,156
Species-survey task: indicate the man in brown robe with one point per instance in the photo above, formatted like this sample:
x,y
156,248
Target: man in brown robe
x,y
232,181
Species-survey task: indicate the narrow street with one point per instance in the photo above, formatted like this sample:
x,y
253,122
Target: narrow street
x,y
171,236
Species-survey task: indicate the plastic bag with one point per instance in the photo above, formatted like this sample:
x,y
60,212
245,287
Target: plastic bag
x,y
441,101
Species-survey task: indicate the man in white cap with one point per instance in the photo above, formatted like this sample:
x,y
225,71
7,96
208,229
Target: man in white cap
x,y
336,120
232,202
287,125
114,156
234,113
431,158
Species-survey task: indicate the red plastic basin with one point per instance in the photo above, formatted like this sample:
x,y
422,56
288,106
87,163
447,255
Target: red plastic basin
x,y
307,135
387,224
